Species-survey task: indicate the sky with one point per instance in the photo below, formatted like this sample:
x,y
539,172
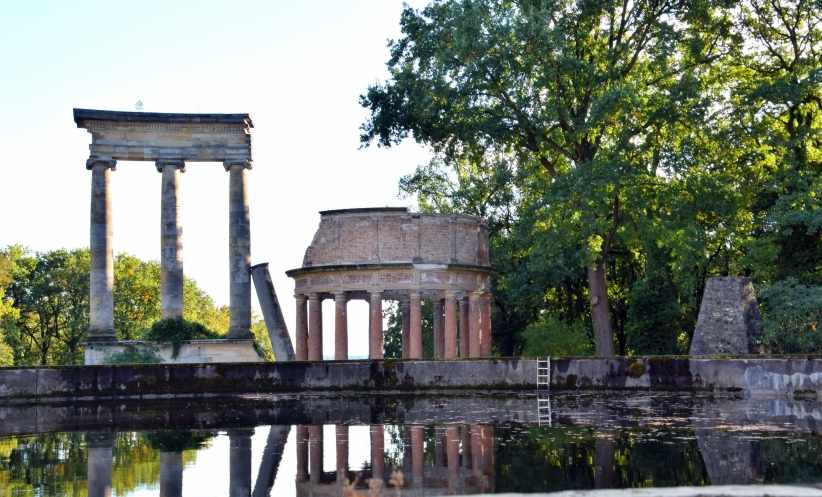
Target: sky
x,y
297,67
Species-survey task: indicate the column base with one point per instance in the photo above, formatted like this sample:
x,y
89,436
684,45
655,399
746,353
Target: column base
x,y
190,352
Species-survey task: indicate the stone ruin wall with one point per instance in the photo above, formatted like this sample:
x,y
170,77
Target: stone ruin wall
x,y
380,236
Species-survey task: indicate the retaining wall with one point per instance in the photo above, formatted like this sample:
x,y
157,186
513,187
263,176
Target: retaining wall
x,y
778,376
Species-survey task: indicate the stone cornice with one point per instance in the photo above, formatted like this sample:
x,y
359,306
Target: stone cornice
x,y
88,115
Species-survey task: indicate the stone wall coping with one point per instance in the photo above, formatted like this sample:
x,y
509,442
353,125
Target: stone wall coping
x,y
385,265
81,115
398,211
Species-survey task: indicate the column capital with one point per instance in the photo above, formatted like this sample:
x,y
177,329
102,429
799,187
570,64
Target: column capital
x,y
101,161
300,297
341,295
314,296
162,163
244,163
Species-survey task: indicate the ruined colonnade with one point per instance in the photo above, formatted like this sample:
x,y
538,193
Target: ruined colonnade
x,y
169,140
392,254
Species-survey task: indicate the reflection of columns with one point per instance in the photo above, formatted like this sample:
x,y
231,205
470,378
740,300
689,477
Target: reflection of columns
x,y
417,454
171,244
171,474
99,464
315,327
485,326
239,251
101,285
342,453
302,328
463,325
415,323
439,338
375,327
465,432
340,326
239,460
405,309
315,453
452,449
302,453
377,452
474,316
450,335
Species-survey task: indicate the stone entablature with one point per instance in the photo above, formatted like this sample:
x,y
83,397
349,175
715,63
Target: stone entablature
x,y
390,235
378,254
153,136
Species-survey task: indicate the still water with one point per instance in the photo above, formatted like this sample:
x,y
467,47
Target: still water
x,y
388,445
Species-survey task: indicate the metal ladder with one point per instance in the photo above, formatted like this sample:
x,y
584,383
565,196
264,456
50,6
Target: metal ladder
x,y
543,389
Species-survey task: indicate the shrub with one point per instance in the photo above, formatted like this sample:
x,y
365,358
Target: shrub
x,y
551,336
135,355
792,313
177,331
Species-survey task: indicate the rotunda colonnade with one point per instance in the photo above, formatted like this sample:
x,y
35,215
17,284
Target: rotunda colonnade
x,y
378,254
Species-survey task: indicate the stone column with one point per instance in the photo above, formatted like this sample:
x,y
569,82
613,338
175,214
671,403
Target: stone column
x,y
101,285
171,242
315,453
375,326
302,328
452,451
415,323
405,312
474,317
463,325
485,326
340,326
99,463
239,251
450,335
342,453
315,327
302,453
439,336
239,460
377,452
171,474
417,455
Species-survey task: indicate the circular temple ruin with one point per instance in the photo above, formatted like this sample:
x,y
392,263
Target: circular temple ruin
x,y
378,254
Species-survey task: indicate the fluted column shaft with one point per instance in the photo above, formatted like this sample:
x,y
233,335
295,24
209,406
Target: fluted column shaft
x,y
301,332
465,317
377,452
405,313
450,335
239,251
342,453
439,336
415,325
315,453
474,325
452,451
315,328
375,342
101,284
239,463
171,242
417,455
485,326
302,453
340,326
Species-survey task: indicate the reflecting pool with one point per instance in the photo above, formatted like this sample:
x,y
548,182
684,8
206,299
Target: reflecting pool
x,y
405,445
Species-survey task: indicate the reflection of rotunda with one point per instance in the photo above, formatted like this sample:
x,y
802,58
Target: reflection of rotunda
x,y
392,254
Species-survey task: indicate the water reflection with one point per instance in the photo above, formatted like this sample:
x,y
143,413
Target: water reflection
x,y
431,447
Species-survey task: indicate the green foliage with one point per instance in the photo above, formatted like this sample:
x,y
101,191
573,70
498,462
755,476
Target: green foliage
x,y
792,317
392,335
177,440
135,355
653,315
177,331
550,336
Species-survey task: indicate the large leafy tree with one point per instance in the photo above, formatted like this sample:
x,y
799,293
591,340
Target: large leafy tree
x,y
574,94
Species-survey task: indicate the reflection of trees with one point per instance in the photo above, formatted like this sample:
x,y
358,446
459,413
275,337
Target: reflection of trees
x,y
548,459
54,464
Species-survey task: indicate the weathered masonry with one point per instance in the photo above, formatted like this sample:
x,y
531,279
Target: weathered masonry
x,y
392,254
170,141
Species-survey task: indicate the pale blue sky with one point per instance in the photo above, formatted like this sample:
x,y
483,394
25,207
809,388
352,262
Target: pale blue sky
x,y
296,67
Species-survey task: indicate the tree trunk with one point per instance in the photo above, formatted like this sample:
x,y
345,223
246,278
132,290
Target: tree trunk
x,y
600,313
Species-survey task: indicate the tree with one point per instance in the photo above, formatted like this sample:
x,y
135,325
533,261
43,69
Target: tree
x,y
571,94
